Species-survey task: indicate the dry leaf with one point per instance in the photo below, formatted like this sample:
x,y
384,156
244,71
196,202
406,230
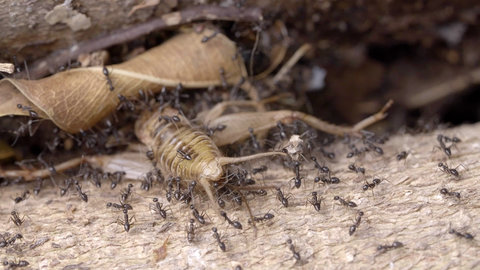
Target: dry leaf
x,y
77,99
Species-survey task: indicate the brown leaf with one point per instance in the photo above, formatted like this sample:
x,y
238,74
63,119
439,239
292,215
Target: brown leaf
x,y
77,99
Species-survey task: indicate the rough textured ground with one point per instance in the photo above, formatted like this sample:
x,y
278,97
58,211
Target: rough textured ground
x,y
67,233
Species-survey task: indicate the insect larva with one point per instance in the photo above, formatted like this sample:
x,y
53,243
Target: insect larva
x,y
205,163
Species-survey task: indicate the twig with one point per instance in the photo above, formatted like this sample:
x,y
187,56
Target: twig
x,y
7,67
52,62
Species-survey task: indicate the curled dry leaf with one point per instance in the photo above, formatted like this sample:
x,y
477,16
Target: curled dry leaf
x,y
77,99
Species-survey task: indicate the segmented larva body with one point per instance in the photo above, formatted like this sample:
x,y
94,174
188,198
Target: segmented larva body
x,y
166,137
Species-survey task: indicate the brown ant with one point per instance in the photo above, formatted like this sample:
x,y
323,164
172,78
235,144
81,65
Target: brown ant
x,y
127,221
191,231
402,155
109,81
354,227
444,168
446,192
82,195
315,201
22,197
344,202
31,112
385,248
16,219
281,197
353,168
235,224
158,208
459,234
296,255
216,235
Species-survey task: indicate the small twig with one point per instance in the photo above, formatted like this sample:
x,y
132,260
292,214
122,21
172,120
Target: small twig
x,y
52,62
7,68
291,62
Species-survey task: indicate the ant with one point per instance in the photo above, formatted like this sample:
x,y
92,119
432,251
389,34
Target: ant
x,y
126,193
158,208
444,168
109,81
297,179
315,201
38,185
331,180
216,235
191,230
374,183
265,217
63,190
220,127
445,149
184,154
402,155
10,241
445,191
253,138
344,202
259,169
207,38
353,168
16,219
281,197
20,263
118,177
127,223
187,196
296,255
150,155
31,112
197,215
330,155
120,206
125,103
459,234
22,197
323,169
177,193
235,224
354,227
385,248
282,133
169,192
83,196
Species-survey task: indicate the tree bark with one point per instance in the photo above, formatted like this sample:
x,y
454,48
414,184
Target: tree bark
x,y
407,206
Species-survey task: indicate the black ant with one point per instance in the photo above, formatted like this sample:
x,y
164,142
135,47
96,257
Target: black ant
x,y
211,131
385,248
197,215
82,195
459,234
325,180
296,255
353,168
169,192
216,235
188,196
374,183
20,263
330,155
207,38
281,197
260,169
322,169
444,168
282,133
118,175
315,201
297,179
177,194
31,112
445,191
184,154
64,190
23,128
235,224
442,146
265,217
109,81
125,103
191,231
253,139
126,193
354,227
16,219
38,185
126,224
120,206
344,202
22,197
402,155
10,241
158,208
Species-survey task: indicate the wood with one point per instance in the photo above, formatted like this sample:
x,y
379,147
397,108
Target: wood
x,y
407,207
